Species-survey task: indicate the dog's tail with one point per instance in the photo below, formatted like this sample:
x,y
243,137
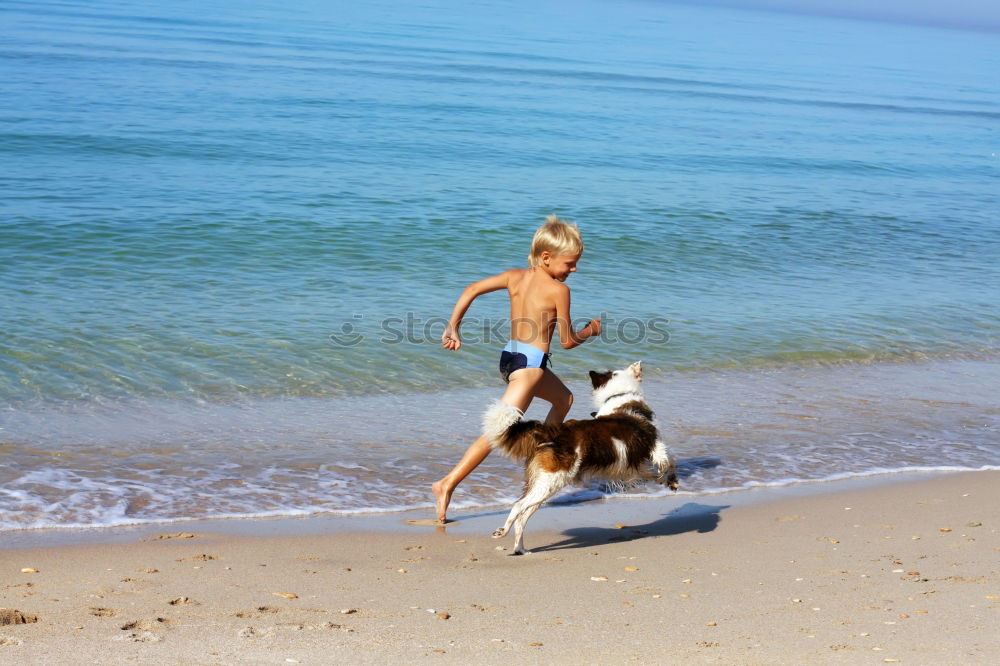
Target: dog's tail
x,y
503,425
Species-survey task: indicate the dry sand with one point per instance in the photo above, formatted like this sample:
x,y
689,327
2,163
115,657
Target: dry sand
x,y
901,573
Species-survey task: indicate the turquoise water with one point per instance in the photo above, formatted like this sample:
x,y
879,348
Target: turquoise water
x,y
268,208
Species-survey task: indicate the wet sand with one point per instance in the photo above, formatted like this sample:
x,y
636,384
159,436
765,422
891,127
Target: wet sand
x,y
895,573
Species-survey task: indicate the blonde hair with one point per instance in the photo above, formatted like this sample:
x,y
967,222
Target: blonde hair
x,y
556,236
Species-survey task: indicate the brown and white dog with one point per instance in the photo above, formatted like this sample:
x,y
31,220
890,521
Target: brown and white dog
x,y
621,444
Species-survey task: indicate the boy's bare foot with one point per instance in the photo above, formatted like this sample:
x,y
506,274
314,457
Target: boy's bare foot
x,y
443,499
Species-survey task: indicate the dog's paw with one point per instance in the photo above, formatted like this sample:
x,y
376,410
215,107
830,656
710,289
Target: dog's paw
x,y
521,552
670,482
499,533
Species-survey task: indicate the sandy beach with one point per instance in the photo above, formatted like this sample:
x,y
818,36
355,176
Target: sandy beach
x,y
895,573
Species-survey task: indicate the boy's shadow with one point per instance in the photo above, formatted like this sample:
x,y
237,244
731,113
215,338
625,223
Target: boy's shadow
x,y
692,517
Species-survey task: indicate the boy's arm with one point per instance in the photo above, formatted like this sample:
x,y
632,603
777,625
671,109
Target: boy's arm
x,y
451,339
567,338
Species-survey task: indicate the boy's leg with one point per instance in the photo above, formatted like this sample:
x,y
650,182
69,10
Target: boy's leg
x,y
475,454
519,393
551,389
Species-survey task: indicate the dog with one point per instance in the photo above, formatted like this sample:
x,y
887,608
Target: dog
x,y
621,444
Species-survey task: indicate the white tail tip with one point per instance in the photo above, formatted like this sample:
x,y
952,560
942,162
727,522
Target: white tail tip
x,y
498,419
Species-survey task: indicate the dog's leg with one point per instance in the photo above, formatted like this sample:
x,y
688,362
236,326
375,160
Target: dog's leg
x,y
515,511
546,485
665,465
672,481
521,522
530,482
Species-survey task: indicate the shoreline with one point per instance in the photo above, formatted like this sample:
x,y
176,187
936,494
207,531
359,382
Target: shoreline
x,y
466,521
902,572
729,431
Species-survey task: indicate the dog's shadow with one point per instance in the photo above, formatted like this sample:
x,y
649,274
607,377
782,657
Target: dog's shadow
x,y
691,517
688,467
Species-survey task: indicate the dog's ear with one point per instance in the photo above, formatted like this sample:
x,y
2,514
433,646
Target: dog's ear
x,y
599,379
636,369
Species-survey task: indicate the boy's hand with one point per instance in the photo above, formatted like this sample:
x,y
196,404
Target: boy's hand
x,y
595,327
450,339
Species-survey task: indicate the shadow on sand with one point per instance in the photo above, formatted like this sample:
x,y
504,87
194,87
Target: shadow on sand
x,y
687,467
692,517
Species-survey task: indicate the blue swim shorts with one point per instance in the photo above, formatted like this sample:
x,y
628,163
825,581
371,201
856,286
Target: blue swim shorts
x,y
517,355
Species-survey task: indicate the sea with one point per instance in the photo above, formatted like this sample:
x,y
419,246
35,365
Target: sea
x,y
231,234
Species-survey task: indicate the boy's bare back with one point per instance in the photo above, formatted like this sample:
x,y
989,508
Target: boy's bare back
x,y
534,306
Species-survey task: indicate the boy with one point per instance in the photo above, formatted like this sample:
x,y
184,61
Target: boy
x,y
539,303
